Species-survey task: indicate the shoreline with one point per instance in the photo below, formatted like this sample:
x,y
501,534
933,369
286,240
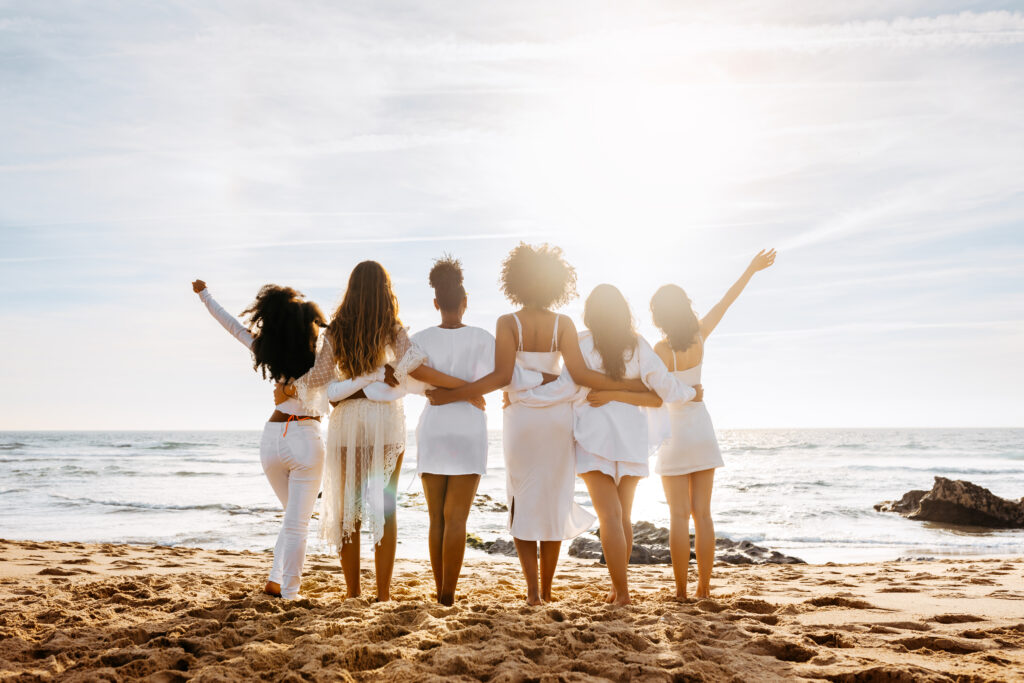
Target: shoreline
x,y
76,611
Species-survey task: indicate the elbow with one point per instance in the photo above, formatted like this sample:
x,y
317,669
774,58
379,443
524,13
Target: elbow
x,y
656,402
504,377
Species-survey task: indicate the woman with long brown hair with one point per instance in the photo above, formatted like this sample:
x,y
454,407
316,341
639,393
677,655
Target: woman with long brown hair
x,y
538,440
365,437
687,461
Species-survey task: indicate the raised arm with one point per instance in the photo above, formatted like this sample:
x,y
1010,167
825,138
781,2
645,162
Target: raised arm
x,y
504,367
710,321
235,328
569,343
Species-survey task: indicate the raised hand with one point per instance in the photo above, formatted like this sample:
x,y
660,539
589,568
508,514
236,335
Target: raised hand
x,y
764,258
198,286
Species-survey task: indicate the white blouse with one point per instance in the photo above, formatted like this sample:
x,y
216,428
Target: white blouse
x,y
324,382
240,332
615,431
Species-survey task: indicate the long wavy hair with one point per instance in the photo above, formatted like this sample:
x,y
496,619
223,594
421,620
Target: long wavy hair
x,y
606,314
284,327
537,276
366,322
673,314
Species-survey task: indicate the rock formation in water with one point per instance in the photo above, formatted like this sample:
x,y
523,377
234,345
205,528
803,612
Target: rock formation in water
x,y
650,546
958,502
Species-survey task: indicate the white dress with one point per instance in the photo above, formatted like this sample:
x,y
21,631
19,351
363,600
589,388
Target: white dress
x,y
365,437
692,446
539,462
614,438
452,439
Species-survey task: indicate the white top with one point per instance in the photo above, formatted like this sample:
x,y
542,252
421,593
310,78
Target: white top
x,y
452,439
324,382
240,332
615,431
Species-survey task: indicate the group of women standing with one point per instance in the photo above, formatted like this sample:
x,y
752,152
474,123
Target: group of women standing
x,y
573,406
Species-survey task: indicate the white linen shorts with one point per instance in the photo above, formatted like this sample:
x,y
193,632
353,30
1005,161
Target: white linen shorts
x,y
616,469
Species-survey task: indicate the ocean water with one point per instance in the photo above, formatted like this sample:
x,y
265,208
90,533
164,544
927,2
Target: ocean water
x,y
807,493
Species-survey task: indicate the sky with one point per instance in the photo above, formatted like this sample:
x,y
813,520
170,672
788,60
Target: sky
x,y
879,146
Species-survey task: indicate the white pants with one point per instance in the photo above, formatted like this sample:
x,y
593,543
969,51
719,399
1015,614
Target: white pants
x,y
294,464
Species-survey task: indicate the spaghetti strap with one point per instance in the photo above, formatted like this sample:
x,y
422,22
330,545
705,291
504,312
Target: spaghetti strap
x,y
519,327
675,367
554,334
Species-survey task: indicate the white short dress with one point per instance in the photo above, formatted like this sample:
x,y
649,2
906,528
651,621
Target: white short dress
x,y
614,438
692,446
452,439
539,460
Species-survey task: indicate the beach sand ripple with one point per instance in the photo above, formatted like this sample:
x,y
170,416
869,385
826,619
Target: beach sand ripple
x,y
77,612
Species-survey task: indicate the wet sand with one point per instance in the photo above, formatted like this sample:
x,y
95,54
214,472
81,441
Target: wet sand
x,y
78,612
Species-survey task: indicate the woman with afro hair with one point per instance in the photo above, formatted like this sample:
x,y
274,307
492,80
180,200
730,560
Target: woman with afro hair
x,y
538,439
282,336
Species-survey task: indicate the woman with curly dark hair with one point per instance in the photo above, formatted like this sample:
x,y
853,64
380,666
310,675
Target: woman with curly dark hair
x,y
687,461
282,335
538,440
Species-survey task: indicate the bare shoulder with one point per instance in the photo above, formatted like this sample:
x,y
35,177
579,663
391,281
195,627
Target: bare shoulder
x,y
565,321
663,350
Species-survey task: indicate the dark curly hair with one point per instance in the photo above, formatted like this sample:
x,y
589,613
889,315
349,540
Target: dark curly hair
x,y
606,314
673,314
366,322
537,276
446,279
284,327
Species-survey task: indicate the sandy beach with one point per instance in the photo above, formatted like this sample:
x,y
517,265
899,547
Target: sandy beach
x,y
79,612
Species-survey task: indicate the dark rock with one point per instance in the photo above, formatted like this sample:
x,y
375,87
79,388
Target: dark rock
x,y
650,546
958,502
499,546
909,502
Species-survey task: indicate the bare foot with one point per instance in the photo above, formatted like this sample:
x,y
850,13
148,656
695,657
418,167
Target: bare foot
x,y
446,600
273,589
610,597
352,594
546,597
681,595
533,600
623,601
383,597
703,591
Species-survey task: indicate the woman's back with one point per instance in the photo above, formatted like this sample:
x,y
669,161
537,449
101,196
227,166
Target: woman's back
x,y
531,352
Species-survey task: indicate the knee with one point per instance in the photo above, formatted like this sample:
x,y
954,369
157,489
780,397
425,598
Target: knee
x,y
437,518
702,517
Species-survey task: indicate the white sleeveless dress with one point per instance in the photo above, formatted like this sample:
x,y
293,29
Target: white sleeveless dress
x,y
540,459
692,446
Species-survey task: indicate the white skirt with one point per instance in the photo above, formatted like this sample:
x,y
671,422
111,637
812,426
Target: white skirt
x,y
693,446
540,473
364,440
451,440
